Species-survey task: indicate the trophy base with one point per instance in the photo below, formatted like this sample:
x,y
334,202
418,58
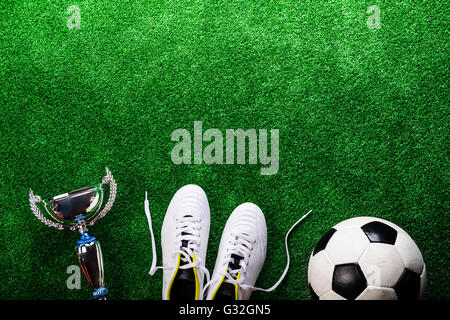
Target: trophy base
x,y
100,293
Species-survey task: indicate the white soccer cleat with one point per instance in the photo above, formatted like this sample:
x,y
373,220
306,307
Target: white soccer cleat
x,y
241,255
184,240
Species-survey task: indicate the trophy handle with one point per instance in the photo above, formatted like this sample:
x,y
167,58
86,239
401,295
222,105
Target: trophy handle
x,y
34,199
112,197
91,261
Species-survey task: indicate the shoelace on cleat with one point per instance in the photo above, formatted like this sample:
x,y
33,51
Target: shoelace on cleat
x,y
237,258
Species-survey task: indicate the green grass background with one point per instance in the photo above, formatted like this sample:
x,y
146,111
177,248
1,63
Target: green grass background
x,y
362,114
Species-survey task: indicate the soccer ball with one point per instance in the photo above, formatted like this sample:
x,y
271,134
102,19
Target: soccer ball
x,y
366,258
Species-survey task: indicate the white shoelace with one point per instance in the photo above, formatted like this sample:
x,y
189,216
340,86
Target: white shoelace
x,y
242,246
187,230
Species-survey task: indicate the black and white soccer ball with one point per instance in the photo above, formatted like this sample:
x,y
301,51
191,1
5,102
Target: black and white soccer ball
x,y
366,258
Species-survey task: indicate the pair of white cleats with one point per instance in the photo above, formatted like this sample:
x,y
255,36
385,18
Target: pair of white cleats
x,y
184,241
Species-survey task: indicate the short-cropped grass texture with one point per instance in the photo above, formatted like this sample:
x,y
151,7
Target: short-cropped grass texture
x,y
361,106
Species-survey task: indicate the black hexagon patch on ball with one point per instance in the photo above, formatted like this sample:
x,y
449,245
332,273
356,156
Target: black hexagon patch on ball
x,y
380,232
348,280
324,241
408,286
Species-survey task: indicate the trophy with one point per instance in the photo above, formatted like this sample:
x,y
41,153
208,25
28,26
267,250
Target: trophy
x,y
76,210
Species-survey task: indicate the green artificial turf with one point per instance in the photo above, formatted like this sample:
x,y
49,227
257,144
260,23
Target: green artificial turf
x,y
362,115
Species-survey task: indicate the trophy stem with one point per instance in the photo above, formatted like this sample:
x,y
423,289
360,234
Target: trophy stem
x,y
81,225
91,261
